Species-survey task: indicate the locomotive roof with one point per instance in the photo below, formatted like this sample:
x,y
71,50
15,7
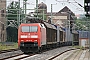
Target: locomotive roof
x,y
33,20
38,20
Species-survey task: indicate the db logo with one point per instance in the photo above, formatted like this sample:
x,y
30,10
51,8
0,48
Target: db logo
x,y
29,34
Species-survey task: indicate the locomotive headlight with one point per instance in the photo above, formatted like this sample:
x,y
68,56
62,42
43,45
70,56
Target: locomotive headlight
x,y
35,43
22,44
23,36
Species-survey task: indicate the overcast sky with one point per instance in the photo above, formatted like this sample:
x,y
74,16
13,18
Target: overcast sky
x,y
74,7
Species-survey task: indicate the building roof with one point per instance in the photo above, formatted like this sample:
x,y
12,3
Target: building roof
x,y
66,9
42,6
65,12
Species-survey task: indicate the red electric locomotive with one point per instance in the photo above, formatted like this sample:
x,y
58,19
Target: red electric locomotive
x,y
36,35
31,37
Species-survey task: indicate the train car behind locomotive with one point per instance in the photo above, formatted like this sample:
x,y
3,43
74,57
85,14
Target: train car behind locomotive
x,y
37,35
30,37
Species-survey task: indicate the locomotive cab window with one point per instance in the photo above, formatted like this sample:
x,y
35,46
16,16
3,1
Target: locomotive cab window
x,y
29,28
33,28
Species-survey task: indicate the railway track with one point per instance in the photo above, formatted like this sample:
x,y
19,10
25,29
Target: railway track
x,y
52,58
4,54
9,50
17,57
46,55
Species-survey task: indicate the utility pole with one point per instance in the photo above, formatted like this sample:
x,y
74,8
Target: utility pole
x,y
68,35
17,19
43,14
51,14
69,25
70,28
25,10
19,14
87,10
37,7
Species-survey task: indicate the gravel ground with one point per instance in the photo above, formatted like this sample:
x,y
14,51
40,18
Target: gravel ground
x,y
47,55
75,55
43,56
8,54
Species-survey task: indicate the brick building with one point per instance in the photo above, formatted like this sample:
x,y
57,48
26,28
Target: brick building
x,y
61,17
2,20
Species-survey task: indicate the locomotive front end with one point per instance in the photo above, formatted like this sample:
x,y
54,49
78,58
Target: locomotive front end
x,y
28,39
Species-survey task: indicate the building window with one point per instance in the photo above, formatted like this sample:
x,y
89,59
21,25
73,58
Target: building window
x,y
3,37
2,26
1,1
2,13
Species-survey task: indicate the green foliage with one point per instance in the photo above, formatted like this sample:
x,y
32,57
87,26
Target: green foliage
x,y
82,24
79,47
6,47
25,0
13,11
12,34
13,14
40,14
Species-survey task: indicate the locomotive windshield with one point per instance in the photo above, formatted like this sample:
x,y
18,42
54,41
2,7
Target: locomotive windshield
x,y
29,28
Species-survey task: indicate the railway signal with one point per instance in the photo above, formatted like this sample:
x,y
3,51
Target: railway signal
x,y
87,7
71,25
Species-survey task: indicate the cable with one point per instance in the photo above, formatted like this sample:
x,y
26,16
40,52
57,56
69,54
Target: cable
x,y
78,3
78,8
75,5
62,2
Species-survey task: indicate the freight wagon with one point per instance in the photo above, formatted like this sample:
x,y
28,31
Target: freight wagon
x,y
37,35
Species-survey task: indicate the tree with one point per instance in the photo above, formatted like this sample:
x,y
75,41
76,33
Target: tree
x,y
41,13
12,35
82,24
13,11
13,14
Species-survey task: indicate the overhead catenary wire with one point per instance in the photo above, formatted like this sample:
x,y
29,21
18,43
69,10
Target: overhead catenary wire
x,y
78,8
78,3
73,3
